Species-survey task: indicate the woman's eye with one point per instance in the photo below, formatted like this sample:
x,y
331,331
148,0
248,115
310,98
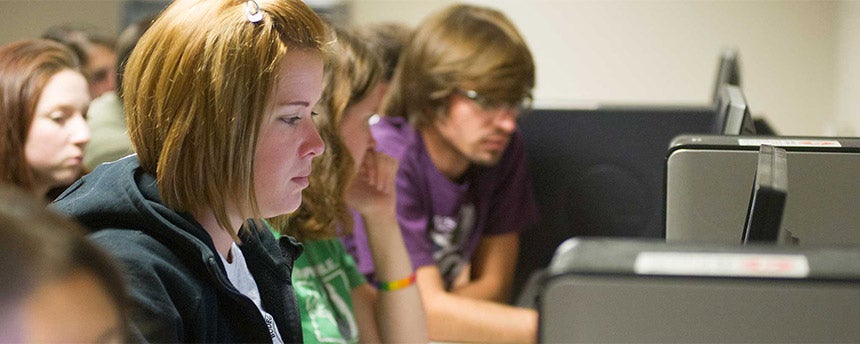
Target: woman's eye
x,y
58,117
291,120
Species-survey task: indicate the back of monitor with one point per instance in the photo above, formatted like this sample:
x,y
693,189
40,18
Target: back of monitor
x,y
708,183
588,298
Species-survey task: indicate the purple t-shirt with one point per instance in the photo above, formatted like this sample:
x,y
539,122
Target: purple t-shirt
x,y
443,221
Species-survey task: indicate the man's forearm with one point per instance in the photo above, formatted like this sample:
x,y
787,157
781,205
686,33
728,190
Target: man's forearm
x,y
461,319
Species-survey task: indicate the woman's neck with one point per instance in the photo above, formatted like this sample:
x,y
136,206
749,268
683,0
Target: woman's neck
x,y
220,237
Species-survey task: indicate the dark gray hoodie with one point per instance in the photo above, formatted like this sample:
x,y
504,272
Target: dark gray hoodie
x,y
176,280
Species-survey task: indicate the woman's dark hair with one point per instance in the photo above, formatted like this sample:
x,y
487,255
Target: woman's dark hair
x,y
79,38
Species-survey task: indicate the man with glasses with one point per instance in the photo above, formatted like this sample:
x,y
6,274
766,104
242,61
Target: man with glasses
x,y
463,191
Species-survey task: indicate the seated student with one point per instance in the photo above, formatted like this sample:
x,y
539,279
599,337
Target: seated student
x,y
106,116
57,286
219,113
388,39
43,101
338,304
463,190
94,50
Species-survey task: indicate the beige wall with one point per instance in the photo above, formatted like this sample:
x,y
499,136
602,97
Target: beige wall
x,y
847,96
20,19
666,51
798,58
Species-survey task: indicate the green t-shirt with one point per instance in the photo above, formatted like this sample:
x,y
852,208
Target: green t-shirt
x,y
327,315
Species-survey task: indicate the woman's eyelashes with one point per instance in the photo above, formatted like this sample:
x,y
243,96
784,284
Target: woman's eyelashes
x,y
57,117
61,116
291,120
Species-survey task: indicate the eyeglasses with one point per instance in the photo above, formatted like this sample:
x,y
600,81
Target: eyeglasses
x,y
490,105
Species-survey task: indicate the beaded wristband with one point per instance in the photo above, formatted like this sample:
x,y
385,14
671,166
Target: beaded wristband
x,y
396,285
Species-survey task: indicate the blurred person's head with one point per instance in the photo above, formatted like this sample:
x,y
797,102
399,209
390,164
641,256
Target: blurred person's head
x,y
43,101
351,95
125,44
218,103
388,39
95,51
464,77
57,286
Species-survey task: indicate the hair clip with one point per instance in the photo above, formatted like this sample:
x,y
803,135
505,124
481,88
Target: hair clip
x,y
253,11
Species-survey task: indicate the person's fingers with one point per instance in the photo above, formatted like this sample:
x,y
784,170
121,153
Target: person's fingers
x,y
387,173
370,167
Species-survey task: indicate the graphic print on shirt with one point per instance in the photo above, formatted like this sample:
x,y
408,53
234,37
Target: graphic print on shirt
x,y
273,328
449,236
320,303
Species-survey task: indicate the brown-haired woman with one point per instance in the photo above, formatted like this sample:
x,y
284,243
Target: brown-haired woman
x,y
339,304
43,101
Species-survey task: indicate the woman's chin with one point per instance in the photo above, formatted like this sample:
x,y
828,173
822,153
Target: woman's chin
x,y
282,209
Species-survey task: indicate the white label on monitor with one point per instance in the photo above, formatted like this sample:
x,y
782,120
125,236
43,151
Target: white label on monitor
x,y
721,264
789,143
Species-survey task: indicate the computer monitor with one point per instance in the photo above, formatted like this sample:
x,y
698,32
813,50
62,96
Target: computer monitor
x,y
640,291
728,71
767,199
598,172
732,112
709,178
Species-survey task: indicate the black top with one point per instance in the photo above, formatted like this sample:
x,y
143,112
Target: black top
x,y
177,283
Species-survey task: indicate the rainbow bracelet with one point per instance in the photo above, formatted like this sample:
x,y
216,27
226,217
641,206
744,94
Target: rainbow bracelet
x,y
396,285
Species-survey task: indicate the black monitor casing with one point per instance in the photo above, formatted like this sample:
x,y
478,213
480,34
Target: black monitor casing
x,y
767,198
598,172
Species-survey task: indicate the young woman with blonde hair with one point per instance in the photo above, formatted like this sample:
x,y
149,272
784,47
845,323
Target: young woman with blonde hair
x,y
218,95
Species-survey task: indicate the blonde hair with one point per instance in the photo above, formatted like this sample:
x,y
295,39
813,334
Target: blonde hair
x,y
196,89
461,46
352,72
